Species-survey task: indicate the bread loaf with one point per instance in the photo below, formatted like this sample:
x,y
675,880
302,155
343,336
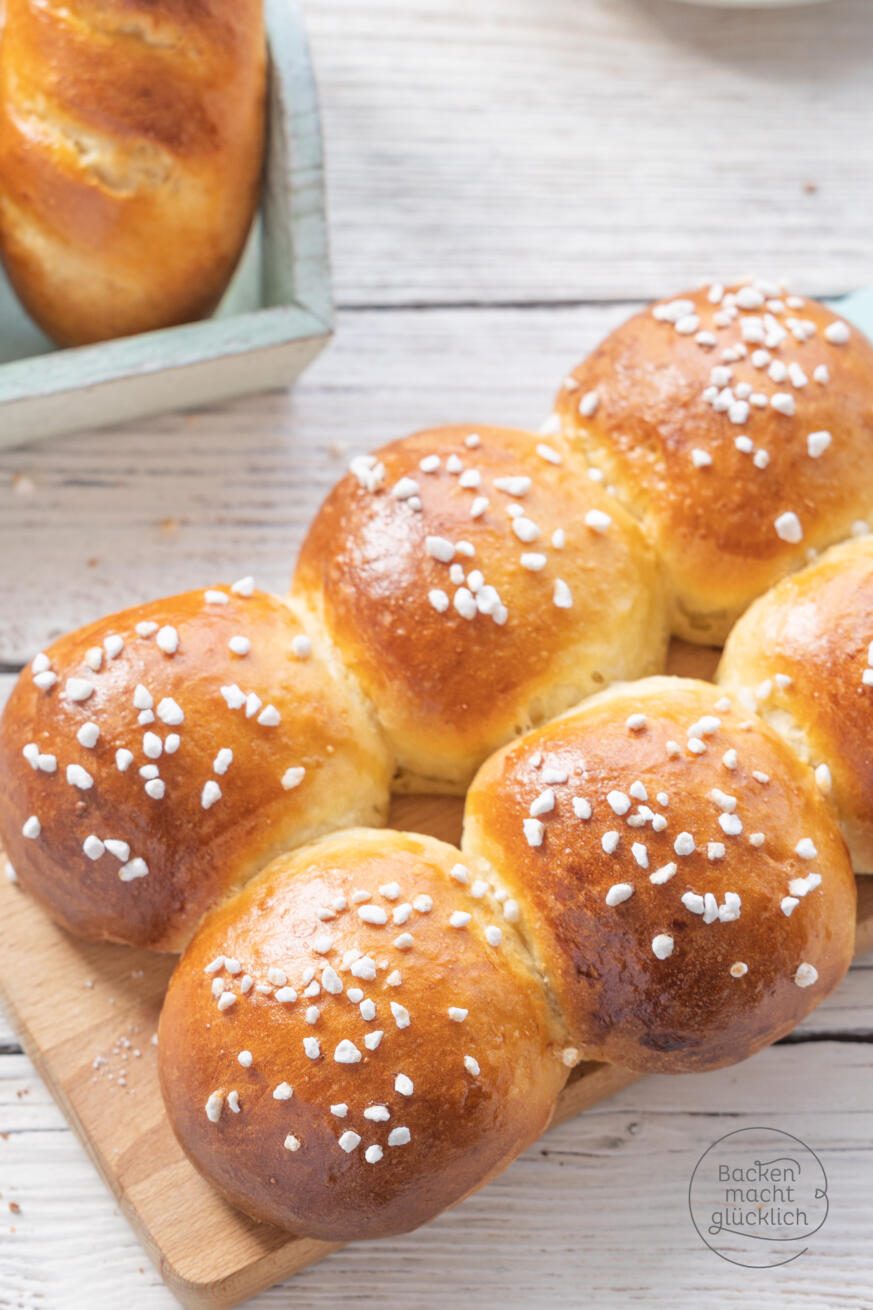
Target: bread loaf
x,y
682,882
802,657
131,139
736,424
358,1039
154,761
477,583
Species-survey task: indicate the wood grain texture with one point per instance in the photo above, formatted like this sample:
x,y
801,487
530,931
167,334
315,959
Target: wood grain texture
x,y
542,150
105,521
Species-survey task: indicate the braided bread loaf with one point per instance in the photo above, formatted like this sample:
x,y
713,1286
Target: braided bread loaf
x,y
366,1026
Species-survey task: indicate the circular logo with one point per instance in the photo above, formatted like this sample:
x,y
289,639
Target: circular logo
x,y
756,1197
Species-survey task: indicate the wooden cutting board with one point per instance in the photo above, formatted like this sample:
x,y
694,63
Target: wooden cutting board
x,y
87,1015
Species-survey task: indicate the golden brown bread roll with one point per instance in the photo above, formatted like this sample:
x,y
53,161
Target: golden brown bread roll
x,y
155,760
682,884
131,138
802,656
737,426
358,1039
466,625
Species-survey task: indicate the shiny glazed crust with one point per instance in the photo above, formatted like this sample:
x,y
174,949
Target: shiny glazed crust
x,y
396,553
660,405
645,979
131,138
386,995
113,853
803,657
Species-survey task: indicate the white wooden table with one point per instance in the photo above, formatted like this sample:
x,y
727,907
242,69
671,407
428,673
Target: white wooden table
x,y
508,178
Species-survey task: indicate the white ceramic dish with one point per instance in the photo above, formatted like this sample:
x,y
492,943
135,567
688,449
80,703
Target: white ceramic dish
x,y
274,319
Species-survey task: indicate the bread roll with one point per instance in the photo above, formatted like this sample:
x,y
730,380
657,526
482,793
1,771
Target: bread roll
x,y
466,625
154,761
737,426
357,1039
131,139
682,883
802,656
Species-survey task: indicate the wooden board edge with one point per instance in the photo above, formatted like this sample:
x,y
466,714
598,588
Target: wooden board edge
x,y
864,914
234,1290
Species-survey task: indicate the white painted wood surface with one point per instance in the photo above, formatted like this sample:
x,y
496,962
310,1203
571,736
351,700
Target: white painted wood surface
x,y
501,175
103,520
541,150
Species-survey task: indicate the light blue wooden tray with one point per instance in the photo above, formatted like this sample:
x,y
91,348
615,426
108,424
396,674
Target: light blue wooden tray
x,y
274,319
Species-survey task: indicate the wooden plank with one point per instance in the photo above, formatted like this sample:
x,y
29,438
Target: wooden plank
x,y
581,149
